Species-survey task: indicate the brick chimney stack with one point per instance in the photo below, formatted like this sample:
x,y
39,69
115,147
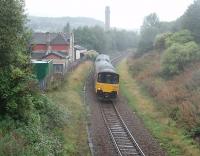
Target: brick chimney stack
x,y
107,18
48,40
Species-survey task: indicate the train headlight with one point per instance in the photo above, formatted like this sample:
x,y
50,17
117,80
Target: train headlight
x,y
98,88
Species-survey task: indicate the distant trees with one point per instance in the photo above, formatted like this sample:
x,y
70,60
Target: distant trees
x,y
177,40
67,28
96,38
148,32
191,20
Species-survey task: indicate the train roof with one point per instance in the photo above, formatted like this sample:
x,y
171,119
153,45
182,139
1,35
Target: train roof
x,y
104,66
102,57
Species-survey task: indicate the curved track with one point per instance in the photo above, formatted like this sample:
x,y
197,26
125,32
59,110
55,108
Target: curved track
x,y
122,139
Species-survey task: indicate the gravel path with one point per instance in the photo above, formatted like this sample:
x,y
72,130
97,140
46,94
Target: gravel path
x,y
102,145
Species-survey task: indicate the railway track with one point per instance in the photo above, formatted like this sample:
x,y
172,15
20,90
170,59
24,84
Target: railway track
x,y
122,139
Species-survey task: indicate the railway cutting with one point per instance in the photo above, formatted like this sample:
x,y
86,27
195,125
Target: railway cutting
x,y
122,139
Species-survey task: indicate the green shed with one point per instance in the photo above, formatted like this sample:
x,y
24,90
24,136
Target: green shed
x,y
42,68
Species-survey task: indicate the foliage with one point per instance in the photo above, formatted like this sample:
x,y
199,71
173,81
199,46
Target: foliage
x,y
176,57
29,123
180,37
15,94
152,110
95,38
160,41
191,20
148,32
40,136
67,28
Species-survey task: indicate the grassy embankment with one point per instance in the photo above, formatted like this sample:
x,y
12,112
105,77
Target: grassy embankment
x,y
70,97
174,140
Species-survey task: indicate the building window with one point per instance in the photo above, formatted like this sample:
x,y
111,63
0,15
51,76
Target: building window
x,y
58,68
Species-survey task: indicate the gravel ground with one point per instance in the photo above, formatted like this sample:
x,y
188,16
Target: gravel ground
x,y
143,137
102,145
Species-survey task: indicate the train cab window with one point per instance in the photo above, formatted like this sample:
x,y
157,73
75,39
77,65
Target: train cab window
x,y
107,60
110,78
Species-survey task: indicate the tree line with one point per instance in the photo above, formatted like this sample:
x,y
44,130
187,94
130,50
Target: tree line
x,y
95,38
178,40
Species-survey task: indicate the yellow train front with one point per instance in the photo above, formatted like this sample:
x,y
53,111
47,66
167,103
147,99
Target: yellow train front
x,y
106,78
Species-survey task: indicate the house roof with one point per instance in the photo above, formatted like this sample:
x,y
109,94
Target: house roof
x,y
37,55
54,38
41,55
78,47
59,39
55,53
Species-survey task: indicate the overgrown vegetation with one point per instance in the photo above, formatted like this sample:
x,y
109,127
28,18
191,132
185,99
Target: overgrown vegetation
x,y
168,68
163,127
70,98
30,124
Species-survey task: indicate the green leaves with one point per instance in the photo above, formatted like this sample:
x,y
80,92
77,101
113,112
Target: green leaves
x,y
191,20
178,56
95,38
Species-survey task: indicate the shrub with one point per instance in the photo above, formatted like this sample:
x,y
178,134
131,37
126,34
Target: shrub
x,y
176,57
160,41
180,37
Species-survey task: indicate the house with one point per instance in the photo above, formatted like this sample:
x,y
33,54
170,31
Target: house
x,y
79,51
53,46
46,42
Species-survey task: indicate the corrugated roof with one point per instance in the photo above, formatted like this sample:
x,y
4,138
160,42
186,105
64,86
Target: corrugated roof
x,y
59,39
37,55
55,38
78,47
56,53
40,55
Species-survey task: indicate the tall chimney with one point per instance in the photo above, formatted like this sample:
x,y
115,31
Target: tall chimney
x,y
48,44
107,18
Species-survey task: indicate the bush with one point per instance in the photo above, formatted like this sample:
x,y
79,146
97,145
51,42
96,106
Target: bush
x,y
176,57
180,37
42,135
160,41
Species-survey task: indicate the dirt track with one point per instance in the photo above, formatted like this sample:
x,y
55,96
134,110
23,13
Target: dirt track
x,y
102,145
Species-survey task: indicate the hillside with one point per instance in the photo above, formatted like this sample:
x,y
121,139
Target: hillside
x,y
56,24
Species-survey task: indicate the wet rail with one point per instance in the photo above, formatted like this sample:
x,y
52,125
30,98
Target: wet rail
x,y
122,139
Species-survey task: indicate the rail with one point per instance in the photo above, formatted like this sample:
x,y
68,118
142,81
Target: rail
x,y
122,139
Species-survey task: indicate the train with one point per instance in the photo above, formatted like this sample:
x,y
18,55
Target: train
x,y
106,79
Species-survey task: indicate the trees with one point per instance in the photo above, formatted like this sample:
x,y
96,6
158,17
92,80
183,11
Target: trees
x,y
12,38
160,41
14,65
67,28
191,20
148,32
96,38
180,51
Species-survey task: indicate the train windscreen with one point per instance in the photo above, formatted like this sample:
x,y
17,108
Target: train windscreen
x,y
110,78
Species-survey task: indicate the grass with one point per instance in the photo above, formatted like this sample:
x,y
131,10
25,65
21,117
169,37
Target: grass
x,y
70,98
164,129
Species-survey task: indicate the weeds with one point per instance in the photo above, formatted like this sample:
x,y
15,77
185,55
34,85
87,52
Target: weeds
x,y
164,113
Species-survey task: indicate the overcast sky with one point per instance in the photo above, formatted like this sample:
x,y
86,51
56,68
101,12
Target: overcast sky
x,y
127,14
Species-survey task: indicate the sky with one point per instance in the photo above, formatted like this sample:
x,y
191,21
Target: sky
x,y
127,14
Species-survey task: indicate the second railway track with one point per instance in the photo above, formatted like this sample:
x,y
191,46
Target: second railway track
x,y
122,139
